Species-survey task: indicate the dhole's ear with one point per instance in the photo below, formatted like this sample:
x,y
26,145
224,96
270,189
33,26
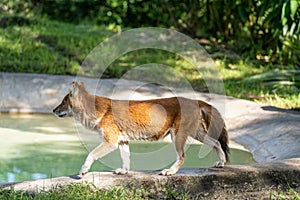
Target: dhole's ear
x,y
74,89
80,83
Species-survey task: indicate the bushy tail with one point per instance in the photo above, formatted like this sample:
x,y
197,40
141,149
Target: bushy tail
x,y
223,139
217,127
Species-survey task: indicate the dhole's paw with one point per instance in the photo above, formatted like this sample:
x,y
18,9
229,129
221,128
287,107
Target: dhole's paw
x,y
121,171
219,164
167,172
81,174
84,170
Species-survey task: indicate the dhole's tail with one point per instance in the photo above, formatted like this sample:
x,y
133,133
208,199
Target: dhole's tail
x,y
217,127
223,139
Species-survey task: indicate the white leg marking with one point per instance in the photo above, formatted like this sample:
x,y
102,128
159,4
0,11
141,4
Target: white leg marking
x,y
97,153
179,146
125,156
175,167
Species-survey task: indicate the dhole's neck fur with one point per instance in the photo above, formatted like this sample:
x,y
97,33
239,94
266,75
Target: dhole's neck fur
x,y
87,109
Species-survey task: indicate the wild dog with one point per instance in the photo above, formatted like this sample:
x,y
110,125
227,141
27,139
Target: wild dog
x,y
121,121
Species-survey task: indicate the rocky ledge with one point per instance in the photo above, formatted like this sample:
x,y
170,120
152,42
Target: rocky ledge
x,y
255,181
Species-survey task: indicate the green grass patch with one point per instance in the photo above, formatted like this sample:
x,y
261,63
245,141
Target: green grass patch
x,y
44,46
283,195
89,191
277,86
40,45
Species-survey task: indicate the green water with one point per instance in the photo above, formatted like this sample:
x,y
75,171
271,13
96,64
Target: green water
x,y
43,146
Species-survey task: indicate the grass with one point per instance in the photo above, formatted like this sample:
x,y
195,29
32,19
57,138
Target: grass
x,y
290,194
34,45
89,191
276,86
43,46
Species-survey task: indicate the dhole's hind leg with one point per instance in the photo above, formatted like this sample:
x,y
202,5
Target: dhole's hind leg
x,y
97,153
179,141
217,146
214,144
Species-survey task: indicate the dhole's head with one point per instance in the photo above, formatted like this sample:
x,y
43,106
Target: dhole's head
x,y
65,108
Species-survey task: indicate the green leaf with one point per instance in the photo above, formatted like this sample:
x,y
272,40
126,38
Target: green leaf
x,y
272,15
242,13
284,12
285,29
292,29
293,7
264,6
290,44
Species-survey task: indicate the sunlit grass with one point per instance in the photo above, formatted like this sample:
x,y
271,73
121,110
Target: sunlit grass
x,y
89,191
45,46
51,47
283,195
262,84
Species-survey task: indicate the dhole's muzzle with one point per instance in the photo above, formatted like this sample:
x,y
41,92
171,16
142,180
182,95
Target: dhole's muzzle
x,y
64,108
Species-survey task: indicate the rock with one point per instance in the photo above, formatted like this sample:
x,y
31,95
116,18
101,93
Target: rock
x,y
233,181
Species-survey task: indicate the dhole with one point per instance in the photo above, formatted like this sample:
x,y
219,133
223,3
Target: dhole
x,y
121,121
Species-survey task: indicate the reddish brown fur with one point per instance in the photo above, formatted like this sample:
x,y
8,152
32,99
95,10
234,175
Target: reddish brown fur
x,y
121,121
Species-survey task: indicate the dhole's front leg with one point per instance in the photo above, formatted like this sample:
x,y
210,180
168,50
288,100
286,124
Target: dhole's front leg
x,y
125,156
97,153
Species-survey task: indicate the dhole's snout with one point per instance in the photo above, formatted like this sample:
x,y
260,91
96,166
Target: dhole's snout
x,y
64,108
58,113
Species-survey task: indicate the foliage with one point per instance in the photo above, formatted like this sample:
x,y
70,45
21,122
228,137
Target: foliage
x,y
32,41
34,45
266,30
18,7
279,87
43,46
